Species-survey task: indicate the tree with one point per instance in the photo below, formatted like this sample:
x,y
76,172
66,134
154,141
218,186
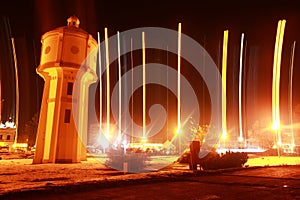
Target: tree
x,y
30,129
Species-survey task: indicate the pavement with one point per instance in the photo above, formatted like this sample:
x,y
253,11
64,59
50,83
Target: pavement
x,y
95,181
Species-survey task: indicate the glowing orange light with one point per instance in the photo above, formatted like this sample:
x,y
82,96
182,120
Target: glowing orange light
x,y
224,71
240,139
224,135
100,82
240,88
276,126
144,84
276,78
107,82
120,89
178,131
178,77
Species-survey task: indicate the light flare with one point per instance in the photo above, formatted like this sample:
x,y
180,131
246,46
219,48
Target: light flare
x,y
120,87
100,83
276,78
178,78
107,83
224,71
240,89
144,85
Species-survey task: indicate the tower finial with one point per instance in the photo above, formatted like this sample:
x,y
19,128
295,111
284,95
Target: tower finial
x,y
73,21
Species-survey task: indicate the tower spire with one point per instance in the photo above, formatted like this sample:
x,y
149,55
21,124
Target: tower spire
x,y
73,21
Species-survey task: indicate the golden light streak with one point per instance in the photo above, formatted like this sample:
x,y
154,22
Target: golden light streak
x,y
120,89
107,84
240,89
224,71
100,82
291,92
276,78
131,59
17,89
144,85
178,78
282,26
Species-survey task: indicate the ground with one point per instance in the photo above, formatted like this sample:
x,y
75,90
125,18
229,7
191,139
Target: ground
x,y
19,179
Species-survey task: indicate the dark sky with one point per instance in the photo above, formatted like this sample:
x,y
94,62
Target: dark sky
x,y
204,21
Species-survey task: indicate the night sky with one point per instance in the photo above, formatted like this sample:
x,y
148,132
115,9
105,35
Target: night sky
x,y
204,21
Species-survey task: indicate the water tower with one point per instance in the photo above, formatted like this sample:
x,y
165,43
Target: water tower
x,y
63,51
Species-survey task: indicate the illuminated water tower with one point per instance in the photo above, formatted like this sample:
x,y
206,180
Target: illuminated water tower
x,y
64,49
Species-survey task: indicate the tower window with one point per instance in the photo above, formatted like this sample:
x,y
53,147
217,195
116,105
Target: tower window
x,y
1,137
70,88
8,137
67,116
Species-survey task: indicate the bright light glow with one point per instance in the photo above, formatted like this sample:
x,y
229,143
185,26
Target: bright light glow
x,y
273,161
276,78
112,134
178,131
224,135
144,139
120,88
119,138
107,82
144,85
240,88
10,124
131,62
17,89
178,78
100,83
240,139
224,71
279,143
276,126
2,125
246,150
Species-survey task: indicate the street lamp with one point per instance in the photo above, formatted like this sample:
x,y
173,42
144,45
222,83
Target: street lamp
x,y
224,137
178,132
276,128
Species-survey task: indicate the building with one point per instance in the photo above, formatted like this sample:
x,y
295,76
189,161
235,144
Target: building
x,y
7,136
62,131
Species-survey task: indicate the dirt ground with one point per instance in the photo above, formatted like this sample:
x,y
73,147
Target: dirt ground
x,y
281,182
20,179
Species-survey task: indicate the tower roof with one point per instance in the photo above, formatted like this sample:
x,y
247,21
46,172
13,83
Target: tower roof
x,y
72,26
73,21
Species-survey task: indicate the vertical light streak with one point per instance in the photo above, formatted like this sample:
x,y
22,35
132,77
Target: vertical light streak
x,y
17,90
240,89
167,94
131,59
178,79
120,89
282,26
276,79
243,96
224,71
100,82
291,92
144,85
107,84
219,64
275,125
